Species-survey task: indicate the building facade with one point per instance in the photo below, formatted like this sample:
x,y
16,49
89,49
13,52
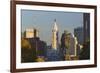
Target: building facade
x,y
31,33
86,23
68,45
37,50
78,32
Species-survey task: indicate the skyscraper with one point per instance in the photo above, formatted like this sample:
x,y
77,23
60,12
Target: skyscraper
x,y
69,45
72,45
78,32
65,44
86,23
55,36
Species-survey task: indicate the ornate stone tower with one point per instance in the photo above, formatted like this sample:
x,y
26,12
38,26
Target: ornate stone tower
x,y
55,36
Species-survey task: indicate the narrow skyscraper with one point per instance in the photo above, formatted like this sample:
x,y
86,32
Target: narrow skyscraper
x,y
55,36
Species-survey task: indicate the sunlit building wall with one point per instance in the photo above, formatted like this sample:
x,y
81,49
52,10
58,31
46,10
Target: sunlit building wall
x,y
31,33
55,36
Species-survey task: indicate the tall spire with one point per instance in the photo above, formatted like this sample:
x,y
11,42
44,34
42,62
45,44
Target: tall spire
x,y
55,26
55,36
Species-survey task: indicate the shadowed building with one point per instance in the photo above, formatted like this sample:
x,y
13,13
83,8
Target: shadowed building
x,y
72,45
78,32
86,23
65,43
68,45
37,49
85,53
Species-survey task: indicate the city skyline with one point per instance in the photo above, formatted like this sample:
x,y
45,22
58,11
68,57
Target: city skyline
x,y
41,19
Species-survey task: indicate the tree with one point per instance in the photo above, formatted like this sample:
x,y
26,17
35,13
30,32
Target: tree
x,y
25,44
27,52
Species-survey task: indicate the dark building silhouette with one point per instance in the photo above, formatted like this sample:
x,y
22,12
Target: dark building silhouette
x,y
36,49
65,39
86,26
78,32
39,45
85,53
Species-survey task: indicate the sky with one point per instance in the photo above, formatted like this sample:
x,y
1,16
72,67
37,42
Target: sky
x,y
44,22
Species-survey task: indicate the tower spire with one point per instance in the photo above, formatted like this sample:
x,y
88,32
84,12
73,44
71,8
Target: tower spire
x,y
55,36
55,26
54,20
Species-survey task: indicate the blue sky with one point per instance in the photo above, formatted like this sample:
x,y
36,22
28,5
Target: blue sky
x,y
44,21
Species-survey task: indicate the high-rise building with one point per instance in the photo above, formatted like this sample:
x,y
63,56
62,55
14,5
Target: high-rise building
x,y
85,53
72,45
55,36
31,33
86,23
68,45
78,32
65,43
73,48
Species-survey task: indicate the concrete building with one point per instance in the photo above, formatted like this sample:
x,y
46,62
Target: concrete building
x,y
72,45
78,32
38,47
76,47
31,33
69,45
